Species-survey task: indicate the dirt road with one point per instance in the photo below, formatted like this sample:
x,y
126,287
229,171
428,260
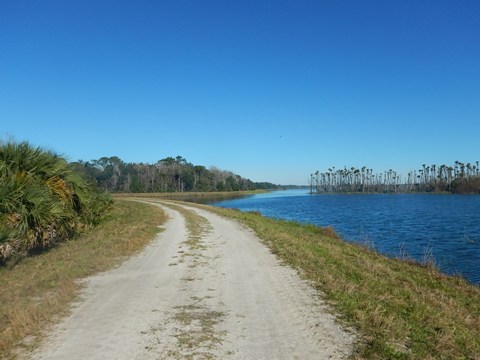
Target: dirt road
x,y
215,294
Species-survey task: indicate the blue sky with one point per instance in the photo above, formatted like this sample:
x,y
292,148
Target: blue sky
x,y
271,90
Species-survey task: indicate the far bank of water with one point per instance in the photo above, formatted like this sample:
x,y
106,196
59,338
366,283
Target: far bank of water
x,y
440,228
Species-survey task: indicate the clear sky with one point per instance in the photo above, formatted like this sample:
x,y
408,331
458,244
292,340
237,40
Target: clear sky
x,y
271,90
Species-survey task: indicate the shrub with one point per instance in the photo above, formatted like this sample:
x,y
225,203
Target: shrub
x,y
42,200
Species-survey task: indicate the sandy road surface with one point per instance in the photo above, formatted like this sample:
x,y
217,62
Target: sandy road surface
x,y
218,296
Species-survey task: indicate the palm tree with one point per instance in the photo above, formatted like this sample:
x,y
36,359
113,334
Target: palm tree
x,y
42,200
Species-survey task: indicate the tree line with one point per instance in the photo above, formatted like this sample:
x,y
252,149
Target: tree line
x,y
171,174
461,178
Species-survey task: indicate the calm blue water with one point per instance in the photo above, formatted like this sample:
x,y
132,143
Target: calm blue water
x,y
445,227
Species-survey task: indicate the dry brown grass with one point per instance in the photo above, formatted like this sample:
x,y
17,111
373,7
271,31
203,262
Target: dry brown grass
x,y
195,197
179,195
38,290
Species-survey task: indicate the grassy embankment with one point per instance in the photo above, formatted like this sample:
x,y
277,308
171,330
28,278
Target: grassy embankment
x,y
40,288
196,197
176,195
400,309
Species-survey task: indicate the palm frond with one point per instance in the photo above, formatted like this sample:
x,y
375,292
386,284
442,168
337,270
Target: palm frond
x,y
41,198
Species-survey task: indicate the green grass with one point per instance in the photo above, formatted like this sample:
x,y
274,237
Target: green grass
x,y
400,309
39,289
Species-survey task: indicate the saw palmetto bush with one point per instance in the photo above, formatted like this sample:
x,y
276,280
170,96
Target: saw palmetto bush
x,y
42,200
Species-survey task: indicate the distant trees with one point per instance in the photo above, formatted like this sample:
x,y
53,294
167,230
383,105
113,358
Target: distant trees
x,y
170,174
459,178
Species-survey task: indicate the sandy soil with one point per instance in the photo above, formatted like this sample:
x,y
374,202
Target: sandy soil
x,y
222,296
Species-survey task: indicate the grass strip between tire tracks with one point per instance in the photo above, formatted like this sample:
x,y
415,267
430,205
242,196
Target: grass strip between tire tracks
x,y
39,289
